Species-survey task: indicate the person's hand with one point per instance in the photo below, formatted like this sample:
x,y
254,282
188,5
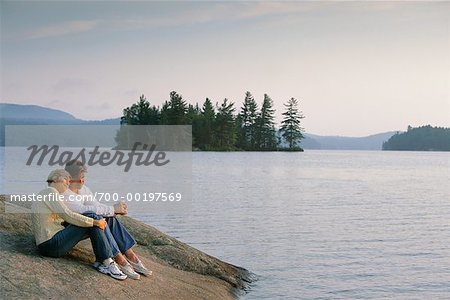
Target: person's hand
x,y
100,223
121,208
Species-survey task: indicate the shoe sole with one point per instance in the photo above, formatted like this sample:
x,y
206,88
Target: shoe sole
x,y
107,272
149,273
135,277
136,269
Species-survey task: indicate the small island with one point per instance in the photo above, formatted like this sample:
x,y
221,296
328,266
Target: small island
x,y
219,127
425,138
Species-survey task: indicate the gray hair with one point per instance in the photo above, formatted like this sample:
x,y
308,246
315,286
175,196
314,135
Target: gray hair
x,y
57,175
75,167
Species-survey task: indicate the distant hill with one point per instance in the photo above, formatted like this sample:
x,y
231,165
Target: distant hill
x,y
371,142
425,138
34,112
16,114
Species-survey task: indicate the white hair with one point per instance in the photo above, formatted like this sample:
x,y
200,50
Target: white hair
x,y
57,175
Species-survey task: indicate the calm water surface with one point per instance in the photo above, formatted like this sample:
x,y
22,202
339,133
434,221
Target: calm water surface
x,y
324,224
320,224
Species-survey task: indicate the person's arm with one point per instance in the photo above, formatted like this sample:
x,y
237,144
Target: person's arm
x,y
60,208
120,208
77,219
92,204
74,204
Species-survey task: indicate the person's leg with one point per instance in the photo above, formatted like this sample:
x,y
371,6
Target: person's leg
x,y
63,241
132,256
107,233
118,257
122,237
124,266
67,238
103,254
100,244
125,241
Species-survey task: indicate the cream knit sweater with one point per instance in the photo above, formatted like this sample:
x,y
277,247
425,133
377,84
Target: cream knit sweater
x,y
47,216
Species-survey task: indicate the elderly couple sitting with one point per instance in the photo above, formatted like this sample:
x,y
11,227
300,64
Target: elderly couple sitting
x,y
111,242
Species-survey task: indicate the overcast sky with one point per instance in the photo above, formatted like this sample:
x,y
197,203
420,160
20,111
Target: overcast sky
x,y
357,68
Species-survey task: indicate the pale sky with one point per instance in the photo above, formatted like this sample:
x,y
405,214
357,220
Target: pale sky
x,y
357,68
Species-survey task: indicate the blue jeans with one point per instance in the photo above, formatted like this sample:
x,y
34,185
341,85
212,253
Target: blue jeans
x,y
64,240
119,238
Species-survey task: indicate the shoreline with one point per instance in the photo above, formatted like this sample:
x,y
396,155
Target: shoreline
x,y
179,270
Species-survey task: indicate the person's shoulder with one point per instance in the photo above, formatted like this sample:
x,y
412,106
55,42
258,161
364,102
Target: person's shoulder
x,y
49,190
69,192
85,190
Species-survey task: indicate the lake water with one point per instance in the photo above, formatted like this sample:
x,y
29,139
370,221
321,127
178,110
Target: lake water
x,y
324,224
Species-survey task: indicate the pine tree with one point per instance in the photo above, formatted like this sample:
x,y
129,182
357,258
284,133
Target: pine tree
x,y
246,123
207,119
141,113
290,126
265,134
225,132
174,111
194,118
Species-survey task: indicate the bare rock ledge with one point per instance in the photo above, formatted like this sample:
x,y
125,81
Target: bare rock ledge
x,y
179,271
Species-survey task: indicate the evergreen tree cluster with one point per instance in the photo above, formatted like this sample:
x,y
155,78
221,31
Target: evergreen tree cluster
x,y
425,138
220,127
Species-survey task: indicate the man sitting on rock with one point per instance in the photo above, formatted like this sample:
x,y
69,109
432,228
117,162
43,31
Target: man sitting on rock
x,y
120,239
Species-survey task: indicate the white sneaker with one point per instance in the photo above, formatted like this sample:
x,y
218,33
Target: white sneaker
x,y
112,270
129,271
139,267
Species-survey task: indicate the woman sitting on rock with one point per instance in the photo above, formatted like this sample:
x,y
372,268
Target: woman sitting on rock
x,y
54,240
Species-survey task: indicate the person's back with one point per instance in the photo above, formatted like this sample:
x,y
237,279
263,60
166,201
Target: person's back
x,y
45,218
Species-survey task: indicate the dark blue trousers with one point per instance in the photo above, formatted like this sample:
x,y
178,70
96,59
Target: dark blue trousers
x,y
64,240
118,237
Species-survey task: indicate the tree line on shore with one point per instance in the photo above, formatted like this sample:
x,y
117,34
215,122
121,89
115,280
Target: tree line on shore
x,y
424,138
219,127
